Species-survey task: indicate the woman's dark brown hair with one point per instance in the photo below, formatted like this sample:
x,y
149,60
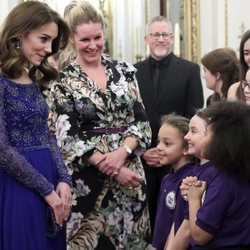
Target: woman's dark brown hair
x,y
23,18
243,65
225,62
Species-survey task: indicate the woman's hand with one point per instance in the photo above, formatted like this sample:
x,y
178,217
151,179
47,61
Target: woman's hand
x,y
64,192
151,157
55,202
128,178
113,161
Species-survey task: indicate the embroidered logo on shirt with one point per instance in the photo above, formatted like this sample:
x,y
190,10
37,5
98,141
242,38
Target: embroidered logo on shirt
x,y
170,200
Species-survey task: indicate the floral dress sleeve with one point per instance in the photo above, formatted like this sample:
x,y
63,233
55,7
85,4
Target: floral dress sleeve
x,y
137,121
63,121
15,164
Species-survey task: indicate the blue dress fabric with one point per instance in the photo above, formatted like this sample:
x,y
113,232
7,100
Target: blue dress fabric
x,y
30,168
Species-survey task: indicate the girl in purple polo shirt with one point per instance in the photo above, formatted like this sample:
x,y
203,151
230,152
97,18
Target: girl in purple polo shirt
x,y
204,170
219,208
172,149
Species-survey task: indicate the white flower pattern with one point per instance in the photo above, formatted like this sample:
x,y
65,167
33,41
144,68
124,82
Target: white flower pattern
x,y
62,126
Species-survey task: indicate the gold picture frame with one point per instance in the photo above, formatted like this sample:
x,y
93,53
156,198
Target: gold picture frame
x,y
190,26
106,9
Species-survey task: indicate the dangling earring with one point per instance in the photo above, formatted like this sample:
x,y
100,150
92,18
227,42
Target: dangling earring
x,y
18,43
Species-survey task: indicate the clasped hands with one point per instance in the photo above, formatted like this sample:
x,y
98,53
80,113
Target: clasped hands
x,y
192,189
112,164
60,202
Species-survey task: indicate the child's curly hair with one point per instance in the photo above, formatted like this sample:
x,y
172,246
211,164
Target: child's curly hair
x,y
230,143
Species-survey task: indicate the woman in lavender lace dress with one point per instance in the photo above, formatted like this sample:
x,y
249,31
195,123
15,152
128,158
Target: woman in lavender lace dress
x,y
34,183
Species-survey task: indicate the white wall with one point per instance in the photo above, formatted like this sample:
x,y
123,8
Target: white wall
x,y
58,5
129,17
213,24
6,6
238,16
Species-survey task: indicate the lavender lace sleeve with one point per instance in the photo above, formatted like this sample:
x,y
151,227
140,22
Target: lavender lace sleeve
x,y
15,164
62,171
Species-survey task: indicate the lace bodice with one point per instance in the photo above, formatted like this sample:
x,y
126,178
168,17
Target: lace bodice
x,y
23,126
25,115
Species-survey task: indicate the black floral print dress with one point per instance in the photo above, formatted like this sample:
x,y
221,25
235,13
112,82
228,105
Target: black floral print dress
x,y
105,215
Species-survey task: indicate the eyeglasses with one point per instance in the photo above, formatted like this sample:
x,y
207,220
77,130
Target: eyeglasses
x,y
157,35
244,84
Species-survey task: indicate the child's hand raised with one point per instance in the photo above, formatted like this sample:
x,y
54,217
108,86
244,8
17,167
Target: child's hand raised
x,y
196,191
186,184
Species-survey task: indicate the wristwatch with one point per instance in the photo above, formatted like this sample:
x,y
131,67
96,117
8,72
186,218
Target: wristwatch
x,y
127,149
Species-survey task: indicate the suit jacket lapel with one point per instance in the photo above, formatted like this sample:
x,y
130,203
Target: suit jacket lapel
x,y
167,79
146,85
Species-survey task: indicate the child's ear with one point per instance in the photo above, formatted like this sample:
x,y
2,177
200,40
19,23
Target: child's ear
x,y
218,76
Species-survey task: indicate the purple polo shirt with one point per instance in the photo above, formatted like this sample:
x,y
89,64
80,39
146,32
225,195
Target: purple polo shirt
x,y
204,172
167,203
225,210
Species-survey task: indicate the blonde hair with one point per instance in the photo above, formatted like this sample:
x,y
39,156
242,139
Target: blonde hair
x,y
77,13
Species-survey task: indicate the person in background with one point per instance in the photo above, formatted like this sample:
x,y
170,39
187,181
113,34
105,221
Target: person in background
x,y
235,92
167,84
172,150
245,85
69,53
35,193
219,208
102,129
221,70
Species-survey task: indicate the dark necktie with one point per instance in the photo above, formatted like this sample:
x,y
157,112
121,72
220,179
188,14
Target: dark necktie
x,y
156,77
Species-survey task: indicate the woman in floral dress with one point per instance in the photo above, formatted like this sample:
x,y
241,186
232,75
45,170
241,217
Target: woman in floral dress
x,y
102,129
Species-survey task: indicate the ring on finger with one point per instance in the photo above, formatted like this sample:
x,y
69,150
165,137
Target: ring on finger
x,y
115,173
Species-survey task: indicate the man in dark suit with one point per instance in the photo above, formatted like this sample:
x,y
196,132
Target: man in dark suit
x,y
167,84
